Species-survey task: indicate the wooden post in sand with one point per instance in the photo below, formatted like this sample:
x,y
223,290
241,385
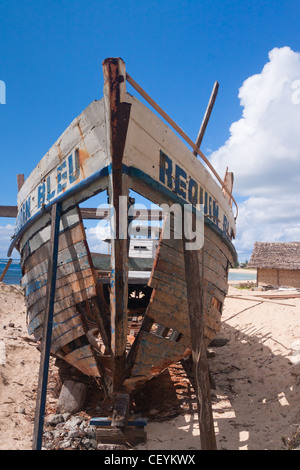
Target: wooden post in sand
x,y
199,354
196,314
47,330
5,269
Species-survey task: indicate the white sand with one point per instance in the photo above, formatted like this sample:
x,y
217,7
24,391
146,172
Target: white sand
x,y
256,401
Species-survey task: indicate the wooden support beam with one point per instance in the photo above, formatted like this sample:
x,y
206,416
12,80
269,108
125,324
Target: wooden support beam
x,y
228,184
140,214
47,330
94,213
9,211
207,116
5,269
121,410
20,181
199,355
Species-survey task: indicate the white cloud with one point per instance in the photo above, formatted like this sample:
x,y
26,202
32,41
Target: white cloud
x,y
96,236
263,151
6,232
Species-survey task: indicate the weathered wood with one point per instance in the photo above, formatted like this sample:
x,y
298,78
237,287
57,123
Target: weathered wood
x,y
47,332
207,116
228,183
93,213
3,274
20,181
66,290
132,435
9,211
84,360
138,422
65,268
118,112
62,280
121,410
155,354
77,297
201,370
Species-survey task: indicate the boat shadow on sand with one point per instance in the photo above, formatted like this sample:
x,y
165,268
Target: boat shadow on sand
x,y
254,397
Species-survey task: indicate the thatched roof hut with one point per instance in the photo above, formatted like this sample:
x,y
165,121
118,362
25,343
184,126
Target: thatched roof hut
x,y
277,263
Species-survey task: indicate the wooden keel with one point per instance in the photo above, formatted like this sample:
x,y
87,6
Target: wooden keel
x,y
47,330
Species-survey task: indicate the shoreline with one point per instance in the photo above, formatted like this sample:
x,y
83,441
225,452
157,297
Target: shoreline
x,y
242,270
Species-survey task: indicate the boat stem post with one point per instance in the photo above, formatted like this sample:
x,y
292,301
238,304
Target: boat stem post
x,y
200,364
47,330
118,112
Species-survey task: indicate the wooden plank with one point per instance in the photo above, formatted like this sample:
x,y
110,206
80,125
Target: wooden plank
x,y
93,213
219,243
57,172
20,181
66,338
62,318
61,280
201,370
228,183
120,410
9,211
83,359
219,280
47,331
3,274
177,286
139,422
59,307
39,233
207,116
132,435
118,112
70,254
66,268
155,354
138,214
67,290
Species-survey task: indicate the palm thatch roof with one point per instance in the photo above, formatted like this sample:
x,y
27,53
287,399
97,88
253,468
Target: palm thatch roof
x,y
275,255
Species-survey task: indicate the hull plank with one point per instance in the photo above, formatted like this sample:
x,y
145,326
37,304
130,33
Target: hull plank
x,y
84,360
155,354
39,233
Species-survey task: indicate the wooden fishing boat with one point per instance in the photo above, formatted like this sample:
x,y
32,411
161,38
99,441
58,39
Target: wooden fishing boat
x,y
116,145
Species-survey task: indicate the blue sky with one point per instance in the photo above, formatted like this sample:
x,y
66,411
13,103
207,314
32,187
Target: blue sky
x,y
51,54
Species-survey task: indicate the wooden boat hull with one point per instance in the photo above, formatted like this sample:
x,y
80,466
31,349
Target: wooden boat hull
x,y
117,144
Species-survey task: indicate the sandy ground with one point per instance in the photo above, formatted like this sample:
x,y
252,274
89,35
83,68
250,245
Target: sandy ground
x,y
256,370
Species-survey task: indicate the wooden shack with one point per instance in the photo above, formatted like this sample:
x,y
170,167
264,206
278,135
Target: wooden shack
x,y
277,264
